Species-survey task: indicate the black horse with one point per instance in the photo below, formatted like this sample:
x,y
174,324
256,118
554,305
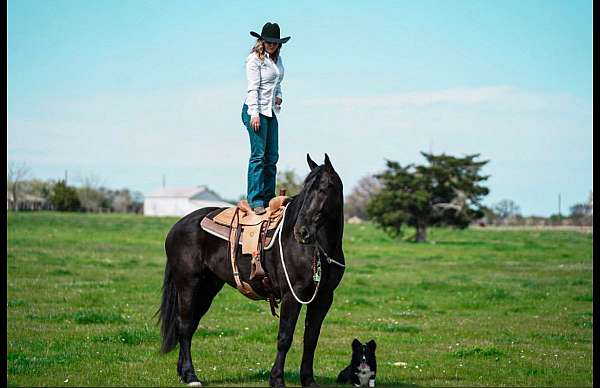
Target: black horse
x,y
198,265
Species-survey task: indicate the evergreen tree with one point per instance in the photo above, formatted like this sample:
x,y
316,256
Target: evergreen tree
x,y
64,198
445,191
288,180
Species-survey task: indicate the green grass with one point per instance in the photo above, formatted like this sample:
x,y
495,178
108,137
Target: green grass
x,y
471,308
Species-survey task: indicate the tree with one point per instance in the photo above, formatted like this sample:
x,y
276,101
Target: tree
x,y
121,201
40,188
137,202
582,213
64,198
16,174
39,192
356,202
446,191
90,194
288,180
590,204
506,209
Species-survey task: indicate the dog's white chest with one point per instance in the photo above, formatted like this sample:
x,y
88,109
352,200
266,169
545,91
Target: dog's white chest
x,y
364,376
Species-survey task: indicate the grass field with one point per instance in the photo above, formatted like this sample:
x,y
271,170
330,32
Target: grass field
x,y
475,308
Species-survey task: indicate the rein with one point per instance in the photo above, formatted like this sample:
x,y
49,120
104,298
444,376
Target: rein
x,y
327,257
286,272
316,263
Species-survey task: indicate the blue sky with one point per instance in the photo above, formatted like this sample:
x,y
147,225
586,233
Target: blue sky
x,y
130,90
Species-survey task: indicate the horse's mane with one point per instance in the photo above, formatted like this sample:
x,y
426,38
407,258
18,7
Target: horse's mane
x,y
297,200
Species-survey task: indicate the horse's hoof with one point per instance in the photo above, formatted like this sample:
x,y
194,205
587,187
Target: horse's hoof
x,y
196,383
276,384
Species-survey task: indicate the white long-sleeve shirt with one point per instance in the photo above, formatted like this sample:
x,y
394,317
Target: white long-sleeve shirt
x,y
264,84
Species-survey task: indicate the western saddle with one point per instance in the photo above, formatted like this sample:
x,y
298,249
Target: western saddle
x,y
240,225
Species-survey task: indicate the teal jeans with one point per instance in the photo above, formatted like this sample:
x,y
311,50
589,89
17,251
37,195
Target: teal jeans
x,y
264,153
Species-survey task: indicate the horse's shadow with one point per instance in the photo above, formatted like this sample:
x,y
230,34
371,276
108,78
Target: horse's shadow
x,y
292,378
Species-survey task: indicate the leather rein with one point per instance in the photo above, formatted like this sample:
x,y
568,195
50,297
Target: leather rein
x,y
246,289
316,264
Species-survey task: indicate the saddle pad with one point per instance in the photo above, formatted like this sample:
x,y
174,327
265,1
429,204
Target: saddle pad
x,y
209,225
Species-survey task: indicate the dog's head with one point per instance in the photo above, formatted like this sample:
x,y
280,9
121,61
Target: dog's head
x,y
364,363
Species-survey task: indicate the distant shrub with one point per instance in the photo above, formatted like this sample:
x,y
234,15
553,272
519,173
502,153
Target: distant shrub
x,y
498,294
91,317
491,351
392,327
584,298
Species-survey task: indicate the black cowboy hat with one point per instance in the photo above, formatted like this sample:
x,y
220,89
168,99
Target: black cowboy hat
x,y
270,33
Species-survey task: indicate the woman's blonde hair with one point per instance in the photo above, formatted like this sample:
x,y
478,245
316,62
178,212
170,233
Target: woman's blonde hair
x,y
259,49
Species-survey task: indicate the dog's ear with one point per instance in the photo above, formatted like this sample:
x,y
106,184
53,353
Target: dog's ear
x,y
356,344
372,345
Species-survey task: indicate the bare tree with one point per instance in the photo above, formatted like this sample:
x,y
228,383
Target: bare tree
x,y
506,210
89,193
16,174
290,181
356,202
583,213
121,201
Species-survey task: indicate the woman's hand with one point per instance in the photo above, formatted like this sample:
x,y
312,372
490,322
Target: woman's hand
x,y
255,123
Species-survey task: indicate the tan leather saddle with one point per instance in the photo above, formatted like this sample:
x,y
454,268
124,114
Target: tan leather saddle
x,y
239,225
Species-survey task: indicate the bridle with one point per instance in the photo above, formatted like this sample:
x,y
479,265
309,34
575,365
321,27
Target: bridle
x,y
319,248
319,251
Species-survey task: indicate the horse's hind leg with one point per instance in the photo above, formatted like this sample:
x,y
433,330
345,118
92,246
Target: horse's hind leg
x,y
195,298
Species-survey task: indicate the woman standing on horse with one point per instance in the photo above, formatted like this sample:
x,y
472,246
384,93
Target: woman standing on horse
x,y
264,71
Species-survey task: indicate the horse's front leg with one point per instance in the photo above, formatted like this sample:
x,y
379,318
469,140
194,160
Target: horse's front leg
x,y
315,314
290,309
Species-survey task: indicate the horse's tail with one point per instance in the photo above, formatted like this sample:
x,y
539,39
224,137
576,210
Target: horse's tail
x,y
168,313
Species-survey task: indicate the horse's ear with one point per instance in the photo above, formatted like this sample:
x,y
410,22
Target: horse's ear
x,y
311,163
328,162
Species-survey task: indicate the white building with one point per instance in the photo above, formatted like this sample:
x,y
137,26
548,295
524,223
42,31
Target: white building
x,y
27,202
179,201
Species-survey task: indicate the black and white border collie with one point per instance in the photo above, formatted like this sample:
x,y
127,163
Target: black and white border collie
x,y
363,366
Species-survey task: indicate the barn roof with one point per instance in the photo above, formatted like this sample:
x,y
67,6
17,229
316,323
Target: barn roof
x,y
25,197
177,192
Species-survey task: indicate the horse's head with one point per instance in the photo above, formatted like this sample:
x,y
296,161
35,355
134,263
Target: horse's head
x,y
321,200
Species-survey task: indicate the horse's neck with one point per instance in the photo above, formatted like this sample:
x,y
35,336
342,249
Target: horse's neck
x,y
330,238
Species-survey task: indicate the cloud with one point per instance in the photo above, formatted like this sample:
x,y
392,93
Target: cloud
x,y
420,98
500,97
538,143
194,136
